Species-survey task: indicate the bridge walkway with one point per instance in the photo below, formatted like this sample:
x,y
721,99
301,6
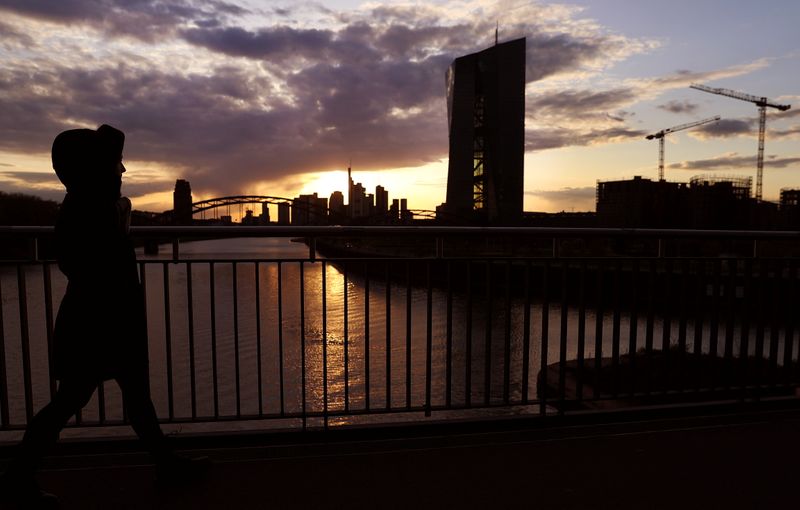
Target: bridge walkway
x,y
738,458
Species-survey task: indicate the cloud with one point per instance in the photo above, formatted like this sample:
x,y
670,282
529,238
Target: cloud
x,y
684,106
148,20
581,198
725,128
264,103
733,160
791,132
10,36
554,138
565,194
578,103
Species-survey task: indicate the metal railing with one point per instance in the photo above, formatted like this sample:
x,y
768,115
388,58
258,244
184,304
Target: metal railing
x,y
359,323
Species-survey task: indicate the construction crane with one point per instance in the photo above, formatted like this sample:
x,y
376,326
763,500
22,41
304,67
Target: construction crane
x,y
664,132
762,103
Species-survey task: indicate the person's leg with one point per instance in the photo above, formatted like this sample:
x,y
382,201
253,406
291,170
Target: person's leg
x,y
171,468
41,434
141,412
44,428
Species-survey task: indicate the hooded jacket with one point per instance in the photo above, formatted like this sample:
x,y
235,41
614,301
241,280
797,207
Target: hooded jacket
x,y
100,330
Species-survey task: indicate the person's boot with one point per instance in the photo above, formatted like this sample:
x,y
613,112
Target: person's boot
x,y
19,487
177,469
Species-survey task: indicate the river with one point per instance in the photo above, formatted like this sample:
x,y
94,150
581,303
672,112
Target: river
x,y
262,335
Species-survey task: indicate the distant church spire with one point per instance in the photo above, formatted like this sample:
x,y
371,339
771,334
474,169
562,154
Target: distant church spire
x,y
496,32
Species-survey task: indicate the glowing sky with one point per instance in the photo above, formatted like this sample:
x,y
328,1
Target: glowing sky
x,y
275,98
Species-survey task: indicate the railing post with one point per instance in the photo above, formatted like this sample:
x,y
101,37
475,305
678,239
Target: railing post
x,y
312,249
176,250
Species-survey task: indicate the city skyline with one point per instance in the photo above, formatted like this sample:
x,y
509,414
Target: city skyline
x,y
241,98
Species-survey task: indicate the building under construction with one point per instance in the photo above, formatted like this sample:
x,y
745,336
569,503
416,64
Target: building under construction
x,y
707,202
486,120
790,207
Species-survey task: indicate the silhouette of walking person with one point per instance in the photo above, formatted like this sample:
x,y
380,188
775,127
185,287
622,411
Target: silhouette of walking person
x,y
100,331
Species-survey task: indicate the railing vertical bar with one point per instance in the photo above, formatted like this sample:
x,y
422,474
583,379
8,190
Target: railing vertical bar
x,y
760,308
713,326
699,311
526,333
408,335
346,340
25,340
449,338
324,345
543,350
5,419
581,332
615,329
236,361
192,353
168,341
744,341
212,300
259,381
649,325
101,402
143,283
48,312
666,331
788,318
598,332
468,341
633,323
487,345
303,344
774,328
793,323
428,340
730,322
388,321
366,338
280,339
562,348
507,343
684,283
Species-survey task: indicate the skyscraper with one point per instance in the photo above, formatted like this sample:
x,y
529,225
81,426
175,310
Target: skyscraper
x,y
486,120
182,202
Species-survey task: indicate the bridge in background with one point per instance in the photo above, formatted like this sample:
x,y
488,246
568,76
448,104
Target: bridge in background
x,y
312,213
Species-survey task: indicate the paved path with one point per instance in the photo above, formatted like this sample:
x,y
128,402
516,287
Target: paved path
x,y
748,461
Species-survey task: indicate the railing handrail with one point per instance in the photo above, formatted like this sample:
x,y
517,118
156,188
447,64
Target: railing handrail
x,y
411,231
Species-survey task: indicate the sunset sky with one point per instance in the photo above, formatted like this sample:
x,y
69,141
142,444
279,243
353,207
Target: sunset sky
x,y
275,98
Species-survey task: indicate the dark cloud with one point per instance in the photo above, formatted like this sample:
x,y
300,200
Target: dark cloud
x,y
371,89
725,128
210,129
791,132
30,177
684,106
734,161
580,104
788,114
541,139
282,42
11,36
144,19
47,184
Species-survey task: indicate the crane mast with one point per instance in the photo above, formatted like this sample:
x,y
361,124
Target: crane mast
x,y
763,103
664,132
